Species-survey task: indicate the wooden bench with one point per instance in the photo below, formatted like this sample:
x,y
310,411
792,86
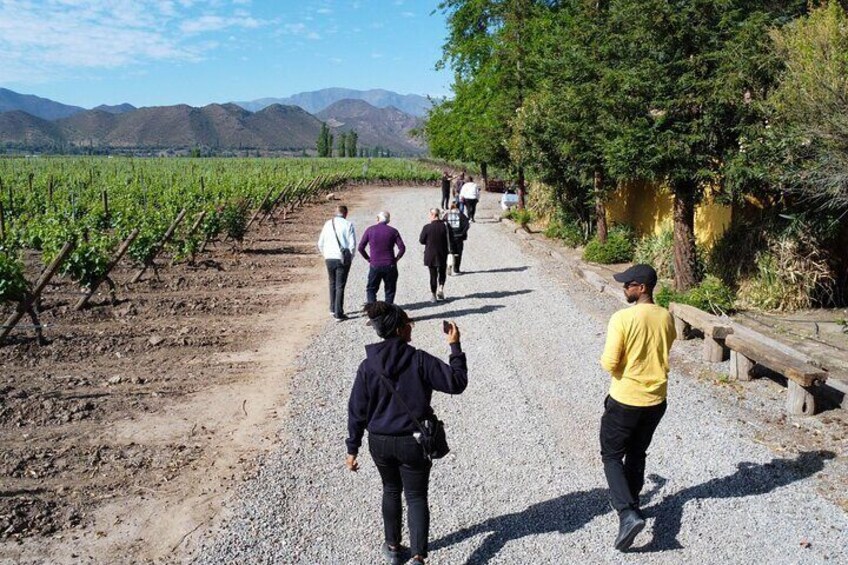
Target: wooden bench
x,y
715,329
749,348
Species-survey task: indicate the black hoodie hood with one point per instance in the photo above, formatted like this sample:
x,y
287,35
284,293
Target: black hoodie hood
x,y
390,357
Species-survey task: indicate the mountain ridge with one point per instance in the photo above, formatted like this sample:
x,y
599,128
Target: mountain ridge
x,y
316,101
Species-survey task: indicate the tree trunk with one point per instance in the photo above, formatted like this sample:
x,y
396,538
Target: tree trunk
x,y
685,258
484,171
521,188
600,208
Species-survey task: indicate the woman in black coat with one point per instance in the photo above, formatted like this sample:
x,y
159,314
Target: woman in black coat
x,y
387,415
434,238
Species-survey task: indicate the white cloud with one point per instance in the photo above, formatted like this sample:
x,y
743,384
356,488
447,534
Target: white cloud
x,y
46,40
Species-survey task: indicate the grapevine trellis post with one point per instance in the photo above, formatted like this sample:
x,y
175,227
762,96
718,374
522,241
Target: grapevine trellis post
x,y
190,233
159,246
261,206
25,306
105,276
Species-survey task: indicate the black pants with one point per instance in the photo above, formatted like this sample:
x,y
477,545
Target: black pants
x,y
470,208
438,275
403,468
445,198
457,248
377,275
337,272
626,433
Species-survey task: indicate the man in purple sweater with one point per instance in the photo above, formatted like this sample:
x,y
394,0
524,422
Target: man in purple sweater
x,y
381,240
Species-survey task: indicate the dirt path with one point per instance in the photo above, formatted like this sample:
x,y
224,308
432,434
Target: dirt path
x,y
126,436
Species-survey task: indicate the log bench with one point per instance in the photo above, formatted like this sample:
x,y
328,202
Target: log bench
x,y
715,329
749,348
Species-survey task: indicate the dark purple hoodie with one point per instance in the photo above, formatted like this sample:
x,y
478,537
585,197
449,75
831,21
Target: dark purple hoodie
x,y
415,374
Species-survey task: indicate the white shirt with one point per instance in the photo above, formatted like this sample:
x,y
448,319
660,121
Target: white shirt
x,y
327,243
469,191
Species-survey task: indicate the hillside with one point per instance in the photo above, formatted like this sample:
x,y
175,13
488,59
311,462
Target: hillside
x,y
320,100
387,127
25,130
35,106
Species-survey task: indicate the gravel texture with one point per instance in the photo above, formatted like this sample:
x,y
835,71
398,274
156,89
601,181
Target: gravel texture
x,y
524,482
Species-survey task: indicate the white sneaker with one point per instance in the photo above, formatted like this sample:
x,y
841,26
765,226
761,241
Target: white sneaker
x,y
441,294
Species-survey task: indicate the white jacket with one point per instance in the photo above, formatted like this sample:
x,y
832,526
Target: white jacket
x,y
470,191
327,243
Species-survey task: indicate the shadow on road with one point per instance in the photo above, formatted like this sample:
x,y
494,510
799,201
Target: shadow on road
x,y
453,314
571,512
480,295
750,479
502,270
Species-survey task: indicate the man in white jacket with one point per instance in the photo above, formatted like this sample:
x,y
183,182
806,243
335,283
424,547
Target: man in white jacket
x,y
338,245
468,195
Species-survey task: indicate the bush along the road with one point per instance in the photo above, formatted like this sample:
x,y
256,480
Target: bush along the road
x,y
711,295
618,248
520,217
567,230
657,250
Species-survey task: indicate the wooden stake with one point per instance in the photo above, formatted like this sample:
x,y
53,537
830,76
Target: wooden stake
x,y
259,210
160,245
112,264
26,305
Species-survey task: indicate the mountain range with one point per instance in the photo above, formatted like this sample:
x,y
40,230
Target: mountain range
x,y
318,100
32,123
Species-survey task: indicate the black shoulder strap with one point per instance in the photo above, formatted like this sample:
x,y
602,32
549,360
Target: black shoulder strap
x,y
400,400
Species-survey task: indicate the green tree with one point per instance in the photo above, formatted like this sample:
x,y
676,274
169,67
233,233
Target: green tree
x,y
341,146
688,72
352,138
325,142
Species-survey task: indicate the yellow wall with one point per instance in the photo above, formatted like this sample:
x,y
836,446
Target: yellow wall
x,y
649,209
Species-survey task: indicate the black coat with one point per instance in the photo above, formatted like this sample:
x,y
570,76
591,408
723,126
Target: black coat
x,y
434,237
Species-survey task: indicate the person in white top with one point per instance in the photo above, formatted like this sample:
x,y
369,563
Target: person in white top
x,y
469,194
337,244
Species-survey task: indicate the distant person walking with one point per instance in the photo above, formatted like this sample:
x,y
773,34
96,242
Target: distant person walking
x,y
337,244
381,239
434,238
469,194
636,354
458,224
460,180
388,416
446,189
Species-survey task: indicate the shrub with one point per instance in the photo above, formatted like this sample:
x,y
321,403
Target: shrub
x,y
793,273
568,232
617,249
657,251
13,284
234,219
520,217
712,296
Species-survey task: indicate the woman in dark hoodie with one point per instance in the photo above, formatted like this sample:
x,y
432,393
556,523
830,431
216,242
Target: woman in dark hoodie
x,y
398,456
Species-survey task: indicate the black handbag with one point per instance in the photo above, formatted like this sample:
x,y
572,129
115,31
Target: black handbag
x,y
431,434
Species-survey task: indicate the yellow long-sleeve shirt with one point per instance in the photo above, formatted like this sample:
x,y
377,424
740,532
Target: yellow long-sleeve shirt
x,y
639,339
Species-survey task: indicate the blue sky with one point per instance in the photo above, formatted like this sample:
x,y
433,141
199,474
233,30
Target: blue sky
x,y
161,52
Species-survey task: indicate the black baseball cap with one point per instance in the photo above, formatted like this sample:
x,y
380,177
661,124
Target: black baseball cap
x,y
642,274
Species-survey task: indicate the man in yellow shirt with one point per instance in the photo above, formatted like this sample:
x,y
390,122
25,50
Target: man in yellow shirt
x,y
638,342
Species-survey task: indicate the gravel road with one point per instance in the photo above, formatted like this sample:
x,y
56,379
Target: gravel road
x,y
524,482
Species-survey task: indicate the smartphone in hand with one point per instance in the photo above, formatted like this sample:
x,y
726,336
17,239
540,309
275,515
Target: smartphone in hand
x,y
446,326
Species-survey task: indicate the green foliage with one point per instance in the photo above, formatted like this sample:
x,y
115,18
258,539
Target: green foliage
x,y
711,295
617,249
566,229
325,142
234,218
13,284
520,217
657,250
88,261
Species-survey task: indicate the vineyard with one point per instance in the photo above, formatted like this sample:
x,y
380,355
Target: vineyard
x,y
79,218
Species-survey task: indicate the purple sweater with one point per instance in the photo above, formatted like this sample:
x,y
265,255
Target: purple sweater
x,y
382,239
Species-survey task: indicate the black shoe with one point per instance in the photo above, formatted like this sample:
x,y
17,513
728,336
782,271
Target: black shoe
x,y
630,524
341,318
393,556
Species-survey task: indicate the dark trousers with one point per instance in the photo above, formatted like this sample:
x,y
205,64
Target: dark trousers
x,y
337,272
403,468
438,275
626,433
445,199
470,208
457,248
377,275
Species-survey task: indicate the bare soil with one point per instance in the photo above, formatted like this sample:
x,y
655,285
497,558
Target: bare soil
x,y
124,435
